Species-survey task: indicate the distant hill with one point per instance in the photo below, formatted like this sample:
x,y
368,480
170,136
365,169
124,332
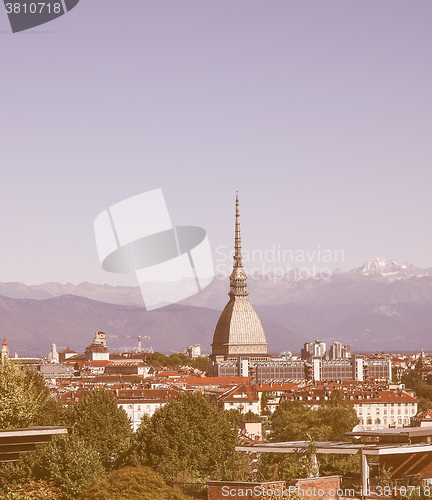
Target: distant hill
x,y
30,325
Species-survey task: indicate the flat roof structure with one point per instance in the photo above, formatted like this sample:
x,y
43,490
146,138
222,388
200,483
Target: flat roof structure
x,y
344,448
336,447
16,441
394,432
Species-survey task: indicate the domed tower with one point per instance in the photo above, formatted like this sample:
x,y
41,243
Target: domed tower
x,y
239,331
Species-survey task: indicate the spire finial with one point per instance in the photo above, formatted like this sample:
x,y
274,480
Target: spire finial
x,y
237,242
238,276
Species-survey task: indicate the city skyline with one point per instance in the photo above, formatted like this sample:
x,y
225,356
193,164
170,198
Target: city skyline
x,y
318,113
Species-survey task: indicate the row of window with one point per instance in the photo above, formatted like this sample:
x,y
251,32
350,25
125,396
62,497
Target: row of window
x,y
384,411
385,421
138,408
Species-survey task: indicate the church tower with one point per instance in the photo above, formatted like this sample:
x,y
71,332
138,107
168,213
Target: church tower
x,y
4,350
239,332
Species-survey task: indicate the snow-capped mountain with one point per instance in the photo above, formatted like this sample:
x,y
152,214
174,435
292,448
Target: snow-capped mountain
x,y
390,270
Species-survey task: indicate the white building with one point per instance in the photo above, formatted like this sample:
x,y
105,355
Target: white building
x,y
385,409
243,398
139,402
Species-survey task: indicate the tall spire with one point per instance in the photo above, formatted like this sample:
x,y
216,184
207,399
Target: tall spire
x,y
238,276
237,242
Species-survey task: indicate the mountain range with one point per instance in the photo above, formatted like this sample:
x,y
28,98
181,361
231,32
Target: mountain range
x,y
381,305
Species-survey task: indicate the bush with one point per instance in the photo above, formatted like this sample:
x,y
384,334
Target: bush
x,y
131,483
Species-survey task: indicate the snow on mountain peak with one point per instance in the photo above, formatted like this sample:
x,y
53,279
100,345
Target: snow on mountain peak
x,y
390,270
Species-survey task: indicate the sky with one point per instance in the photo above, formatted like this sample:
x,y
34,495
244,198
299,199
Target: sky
x,y
318,112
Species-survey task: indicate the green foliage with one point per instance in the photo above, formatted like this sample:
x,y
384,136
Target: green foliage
x,y
418,493
424,404
339,465
341,417
33,490
52,412
22,395
68,462
201,363
134,450
293,421
131,483
234,417
177,359
101,423
276,467
13,474
188,438
264,400
242,467
250,416
422,389
24,398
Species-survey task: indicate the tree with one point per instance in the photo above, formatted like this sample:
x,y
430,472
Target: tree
x,y
341,414
69,463
250,416
201,363
264,401
293,421
284,467
132,483
234,417
422,389
23,396
339,465
177,359
188,438
134,450
101,423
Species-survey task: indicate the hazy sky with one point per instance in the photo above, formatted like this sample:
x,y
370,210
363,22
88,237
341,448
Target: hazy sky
x,y
318,112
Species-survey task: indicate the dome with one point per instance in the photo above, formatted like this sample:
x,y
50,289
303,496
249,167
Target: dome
x,y
239,330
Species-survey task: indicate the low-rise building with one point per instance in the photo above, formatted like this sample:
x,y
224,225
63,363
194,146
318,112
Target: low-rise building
x,y
140,402
243,398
